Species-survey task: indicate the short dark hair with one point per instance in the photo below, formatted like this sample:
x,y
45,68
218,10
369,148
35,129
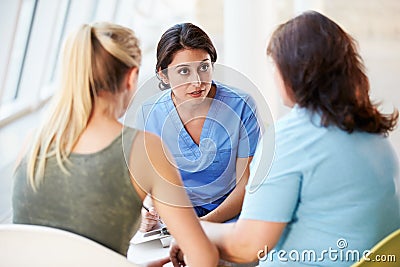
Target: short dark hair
x,y
322,70
179,37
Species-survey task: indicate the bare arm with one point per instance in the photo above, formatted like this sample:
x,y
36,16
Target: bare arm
x,y
245,240
232,205
153,172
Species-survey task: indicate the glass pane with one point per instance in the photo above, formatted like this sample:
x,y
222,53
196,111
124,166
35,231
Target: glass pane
x,y
63,10
76,12
20,47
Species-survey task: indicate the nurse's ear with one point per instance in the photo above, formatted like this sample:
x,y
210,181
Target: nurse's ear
x,y
162,76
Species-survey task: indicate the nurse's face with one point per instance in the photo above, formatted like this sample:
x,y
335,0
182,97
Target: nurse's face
x,y
190,75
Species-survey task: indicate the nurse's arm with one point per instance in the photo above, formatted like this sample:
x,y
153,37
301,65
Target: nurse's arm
x,y
232,205
245,240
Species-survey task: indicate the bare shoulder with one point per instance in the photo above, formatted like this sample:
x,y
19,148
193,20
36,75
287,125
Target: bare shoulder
x,y
153,168
148,154
151,147
146,139
140,165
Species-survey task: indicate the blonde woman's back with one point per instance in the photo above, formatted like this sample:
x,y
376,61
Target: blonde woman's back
x,y
97,199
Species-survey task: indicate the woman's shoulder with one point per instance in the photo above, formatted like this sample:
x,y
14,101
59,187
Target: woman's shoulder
x,y
156,104
129,133
296,125
230,91
232,95
158,98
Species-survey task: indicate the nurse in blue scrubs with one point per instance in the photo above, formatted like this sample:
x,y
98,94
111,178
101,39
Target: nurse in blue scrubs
x,y
332,191
211,129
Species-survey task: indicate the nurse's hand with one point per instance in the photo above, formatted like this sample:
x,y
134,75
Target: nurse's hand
x,y
150,220
176,255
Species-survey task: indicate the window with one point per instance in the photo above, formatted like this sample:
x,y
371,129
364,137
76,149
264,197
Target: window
x,y
19,49
59,30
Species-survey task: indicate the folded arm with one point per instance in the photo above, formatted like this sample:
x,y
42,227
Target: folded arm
x,y
245,240
232,205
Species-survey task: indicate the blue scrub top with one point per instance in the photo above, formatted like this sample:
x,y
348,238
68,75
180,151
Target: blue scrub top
x,y
336,191
231,130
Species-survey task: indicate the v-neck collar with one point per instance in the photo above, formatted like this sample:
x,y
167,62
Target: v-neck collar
x,y
181,130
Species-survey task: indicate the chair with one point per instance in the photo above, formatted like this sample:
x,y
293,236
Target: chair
x,y
386,253
34,246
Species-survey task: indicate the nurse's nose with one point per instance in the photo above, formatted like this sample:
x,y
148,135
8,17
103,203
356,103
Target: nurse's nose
x,y
195,80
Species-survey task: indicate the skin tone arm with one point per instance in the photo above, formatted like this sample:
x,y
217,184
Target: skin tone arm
x,y
152,171
232,205
241,242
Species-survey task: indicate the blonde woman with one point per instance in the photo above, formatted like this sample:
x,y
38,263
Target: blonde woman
x,y
75,176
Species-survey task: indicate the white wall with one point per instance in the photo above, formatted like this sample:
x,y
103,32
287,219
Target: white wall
x,y
375,24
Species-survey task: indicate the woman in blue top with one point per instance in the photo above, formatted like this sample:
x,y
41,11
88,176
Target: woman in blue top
x,y
211,129
330,194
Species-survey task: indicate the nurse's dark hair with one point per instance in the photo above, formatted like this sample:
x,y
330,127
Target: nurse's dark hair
x,y
323,72
179,37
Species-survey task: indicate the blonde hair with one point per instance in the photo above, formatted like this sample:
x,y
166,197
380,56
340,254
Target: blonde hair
x,y
96,57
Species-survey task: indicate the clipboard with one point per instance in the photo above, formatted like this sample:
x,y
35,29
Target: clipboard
x,y
161,234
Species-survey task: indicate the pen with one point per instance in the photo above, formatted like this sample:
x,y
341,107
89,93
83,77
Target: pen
x,y
148,210
162,231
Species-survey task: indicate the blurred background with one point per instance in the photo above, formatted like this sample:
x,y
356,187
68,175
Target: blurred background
x,y
33,31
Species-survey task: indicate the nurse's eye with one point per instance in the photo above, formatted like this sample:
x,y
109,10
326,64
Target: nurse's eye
x,y
204,67
183,71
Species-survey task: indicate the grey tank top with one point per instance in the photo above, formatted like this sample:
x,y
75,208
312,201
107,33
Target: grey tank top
x,y
97,199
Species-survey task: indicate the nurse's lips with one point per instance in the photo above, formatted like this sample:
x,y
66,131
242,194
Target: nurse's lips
x,y
196,93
